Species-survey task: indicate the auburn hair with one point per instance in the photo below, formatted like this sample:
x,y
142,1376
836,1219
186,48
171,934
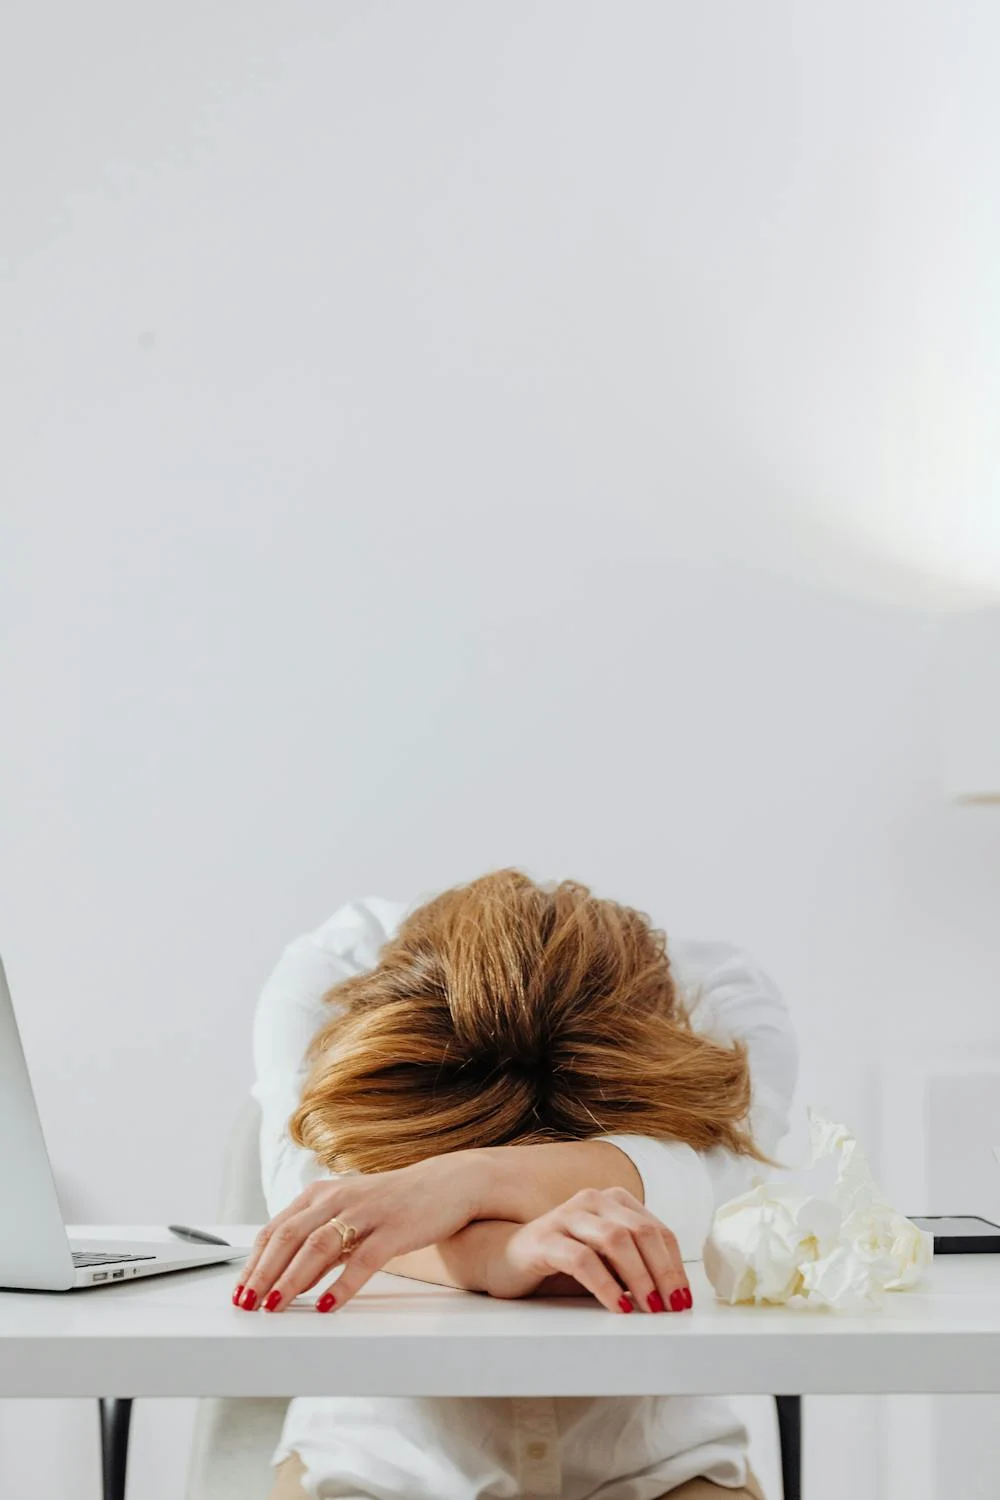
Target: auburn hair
x,y
506,1012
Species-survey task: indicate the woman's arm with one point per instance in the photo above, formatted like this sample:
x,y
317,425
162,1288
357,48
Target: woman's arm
x,y
464,1261
385,1219
599,1243
513,1185
473,1261
519,1183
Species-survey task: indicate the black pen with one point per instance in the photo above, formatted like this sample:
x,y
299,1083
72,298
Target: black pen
x,y
184,1232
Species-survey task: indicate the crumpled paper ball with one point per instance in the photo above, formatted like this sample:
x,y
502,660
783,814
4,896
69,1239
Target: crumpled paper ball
x,y
776,1244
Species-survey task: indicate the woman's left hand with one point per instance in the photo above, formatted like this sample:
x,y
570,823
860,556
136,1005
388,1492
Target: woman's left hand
x,y
392,1213
603,1242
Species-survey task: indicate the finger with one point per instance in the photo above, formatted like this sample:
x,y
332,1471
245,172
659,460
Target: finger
x,y
657,1244
662,1258
264,1235
370,1256
626,1199
284,1292
320,1253
672,1279
614,1242
283,1246
263,1241
572,1257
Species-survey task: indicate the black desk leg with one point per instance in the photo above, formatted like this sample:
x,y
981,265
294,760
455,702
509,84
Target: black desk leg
x,y
116,1416
790,1438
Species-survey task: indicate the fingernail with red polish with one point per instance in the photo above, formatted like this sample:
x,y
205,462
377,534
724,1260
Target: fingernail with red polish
x,y
655,1302
688,1299
624,1303
237,1295
272,1300
677,1300
326,1302
249,1299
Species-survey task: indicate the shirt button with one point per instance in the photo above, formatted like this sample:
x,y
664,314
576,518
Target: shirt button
x,y
537,1450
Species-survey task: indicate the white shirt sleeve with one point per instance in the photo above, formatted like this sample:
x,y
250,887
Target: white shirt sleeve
x,y
289,1014
729,998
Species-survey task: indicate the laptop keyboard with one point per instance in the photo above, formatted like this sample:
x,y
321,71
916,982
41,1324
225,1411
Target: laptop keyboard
x,y
94,1258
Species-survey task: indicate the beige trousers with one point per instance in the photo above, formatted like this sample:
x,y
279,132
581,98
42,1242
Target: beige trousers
x,y
288,1486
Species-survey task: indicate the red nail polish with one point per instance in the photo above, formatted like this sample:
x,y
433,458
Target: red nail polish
x,y
688,1299
237,1295
677,1300
624,1303
655,1302
272,1300
249,1299
326,1302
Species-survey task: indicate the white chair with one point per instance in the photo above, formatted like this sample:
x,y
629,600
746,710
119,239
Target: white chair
x,y
234,1437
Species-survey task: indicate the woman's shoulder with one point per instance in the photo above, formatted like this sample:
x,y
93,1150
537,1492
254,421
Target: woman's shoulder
x,y
695,960
729,997
723,985
359,929
348,942
293,1002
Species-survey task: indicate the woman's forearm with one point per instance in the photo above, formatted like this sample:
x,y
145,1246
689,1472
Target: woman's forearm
x,y
473,1261
467,1260
520,1183
509,1186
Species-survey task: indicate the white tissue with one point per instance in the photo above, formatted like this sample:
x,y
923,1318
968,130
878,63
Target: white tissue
x,y
778,1244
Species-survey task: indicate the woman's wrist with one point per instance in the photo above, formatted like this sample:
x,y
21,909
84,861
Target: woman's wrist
x,y
476,1174
489,1182
480,1255
495,1268
469,1178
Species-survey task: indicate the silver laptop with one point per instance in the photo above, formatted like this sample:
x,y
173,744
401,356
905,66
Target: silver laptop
x,y
35,1251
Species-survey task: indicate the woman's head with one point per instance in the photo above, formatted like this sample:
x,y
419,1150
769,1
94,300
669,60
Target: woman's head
x,y
507,1012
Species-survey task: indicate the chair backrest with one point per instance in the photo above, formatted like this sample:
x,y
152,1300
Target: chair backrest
x,y
242,1195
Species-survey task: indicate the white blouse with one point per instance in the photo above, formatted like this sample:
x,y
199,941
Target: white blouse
x,y
470,1448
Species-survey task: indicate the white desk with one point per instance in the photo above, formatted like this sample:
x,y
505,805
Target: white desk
x,y
179,1335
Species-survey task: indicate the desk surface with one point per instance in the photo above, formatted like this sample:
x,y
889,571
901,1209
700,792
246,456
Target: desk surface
x,y
179,1335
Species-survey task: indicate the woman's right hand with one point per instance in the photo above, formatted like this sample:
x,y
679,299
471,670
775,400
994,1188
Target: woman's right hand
x,y
393,1213
606,1242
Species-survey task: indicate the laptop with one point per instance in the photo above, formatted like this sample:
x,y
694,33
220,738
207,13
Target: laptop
x,y
36,1253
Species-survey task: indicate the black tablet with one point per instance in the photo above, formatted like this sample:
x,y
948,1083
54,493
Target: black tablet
x,y
962,1234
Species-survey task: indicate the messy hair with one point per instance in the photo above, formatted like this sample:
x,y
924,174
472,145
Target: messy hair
x,y
505,1012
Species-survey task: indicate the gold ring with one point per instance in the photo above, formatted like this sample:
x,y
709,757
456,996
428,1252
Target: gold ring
x,y
348,1235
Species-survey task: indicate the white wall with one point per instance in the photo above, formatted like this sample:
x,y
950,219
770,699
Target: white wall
x,y
442,436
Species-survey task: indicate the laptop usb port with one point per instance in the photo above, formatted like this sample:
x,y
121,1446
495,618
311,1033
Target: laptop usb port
x,y
100,1275
117,1275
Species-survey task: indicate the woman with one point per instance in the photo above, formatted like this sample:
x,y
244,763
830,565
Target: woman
x,y
512,1089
